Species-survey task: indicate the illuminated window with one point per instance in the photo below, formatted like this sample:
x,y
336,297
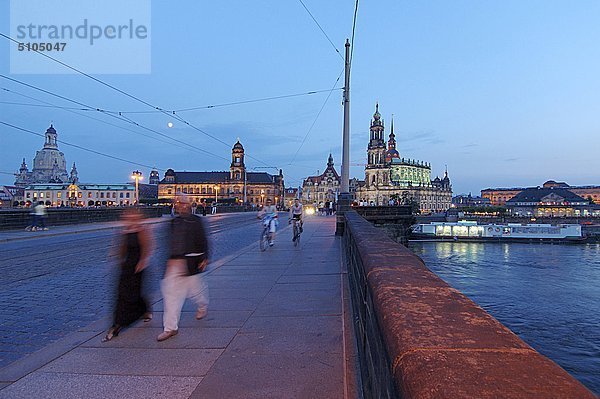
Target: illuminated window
x,y
79,194
58,195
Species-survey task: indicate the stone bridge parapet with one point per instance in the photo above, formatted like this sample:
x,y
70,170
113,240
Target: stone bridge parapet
x,y
420,338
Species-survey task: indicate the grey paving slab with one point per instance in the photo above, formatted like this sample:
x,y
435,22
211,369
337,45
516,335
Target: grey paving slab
x,y
231,281
75,386
298,305
311,268
273,376
214,319
219,304
219,283
234,303
131,361
188,338
248,292
248,272
309,278
299,343
28,364
335,286
293,324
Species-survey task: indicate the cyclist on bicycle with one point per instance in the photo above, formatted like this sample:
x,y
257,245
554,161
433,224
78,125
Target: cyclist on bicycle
x,y
269,217
296,214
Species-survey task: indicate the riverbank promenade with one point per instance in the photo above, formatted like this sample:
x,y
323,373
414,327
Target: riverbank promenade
x,y
277,327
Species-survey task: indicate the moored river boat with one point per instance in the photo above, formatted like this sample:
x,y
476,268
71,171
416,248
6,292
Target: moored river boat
x,y
471,231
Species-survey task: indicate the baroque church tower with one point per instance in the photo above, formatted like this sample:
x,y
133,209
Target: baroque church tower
x,y
392,152
237,170
375,172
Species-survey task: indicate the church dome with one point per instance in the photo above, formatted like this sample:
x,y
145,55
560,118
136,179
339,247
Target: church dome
x,y
238,146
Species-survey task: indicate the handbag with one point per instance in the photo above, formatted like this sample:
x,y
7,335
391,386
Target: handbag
x,y
193,262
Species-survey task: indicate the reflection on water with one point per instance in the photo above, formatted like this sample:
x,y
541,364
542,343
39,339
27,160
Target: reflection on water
x,y
547,294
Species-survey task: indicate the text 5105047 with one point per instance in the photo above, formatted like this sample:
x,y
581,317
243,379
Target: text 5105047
x,y
41,46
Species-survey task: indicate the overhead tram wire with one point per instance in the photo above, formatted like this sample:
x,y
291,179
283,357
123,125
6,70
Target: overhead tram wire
x,y
322,30
171,114
353,31
83,148
42,105
236,102
75,111
129,120
118,117
350,61
315,120
185,109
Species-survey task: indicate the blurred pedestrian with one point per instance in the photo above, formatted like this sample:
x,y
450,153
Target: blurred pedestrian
x,y
40,216
34,218
188,256
194,206
134,252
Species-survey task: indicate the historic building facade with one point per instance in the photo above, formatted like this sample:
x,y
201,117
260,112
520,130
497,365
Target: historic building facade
x,y
80,195
322,188
500,196
554,201
235,186
49,182
49,165
390,177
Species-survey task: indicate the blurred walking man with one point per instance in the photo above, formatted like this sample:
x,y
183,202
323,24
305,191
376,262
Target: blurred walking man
x,y
188,256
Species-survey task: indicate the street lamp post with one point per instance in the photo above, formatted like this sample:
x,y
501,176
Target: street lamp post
x,y
345,198
137,175
216,194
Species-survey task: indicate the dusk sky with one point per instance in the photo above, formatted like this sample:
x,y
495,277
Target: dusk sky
x,y
505,93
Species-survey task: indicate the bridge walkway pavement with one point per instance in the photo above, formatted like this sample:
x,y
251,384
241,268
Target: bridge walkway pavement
x,y
278,326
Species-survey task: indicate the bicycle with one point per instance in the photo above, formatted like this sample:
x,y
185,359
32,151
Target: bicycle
x,y
297,231
266,236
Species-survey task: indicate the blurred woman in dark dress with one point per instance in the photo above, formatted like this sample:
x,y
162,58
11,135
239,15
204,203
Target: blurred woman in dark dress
x,y
134,251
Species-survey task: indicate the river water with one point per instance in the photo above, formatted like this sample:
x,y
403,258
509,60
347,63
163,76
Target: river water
x,y
547,294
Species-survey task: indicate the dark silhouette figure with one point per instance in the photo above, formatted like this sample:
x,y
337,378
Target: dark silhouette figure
x,y
133,254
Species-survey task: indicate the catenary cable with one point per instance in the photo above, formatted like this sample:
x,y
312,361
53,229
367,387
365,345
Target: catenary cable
x,y
81,147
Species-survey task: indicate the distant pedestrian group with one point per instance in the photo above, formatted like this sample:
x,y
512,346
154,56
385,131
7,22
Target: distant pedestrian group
x,y
326,208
